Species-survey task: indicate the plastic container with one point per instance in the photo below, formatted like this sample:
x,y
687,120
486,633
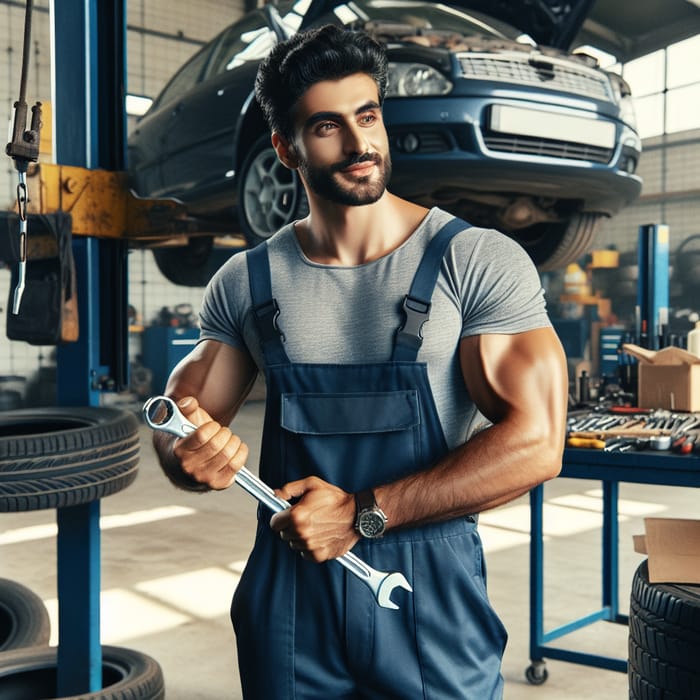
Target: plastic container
x,y
575,280
694,340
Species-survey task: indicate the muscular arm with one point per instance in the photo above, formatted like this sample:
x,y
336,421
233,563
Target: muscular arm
x,y
517,381
210,385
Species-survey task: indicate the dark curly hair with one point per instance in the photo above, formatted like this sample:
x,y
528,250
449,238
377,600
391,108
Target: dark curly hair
x,y
294,65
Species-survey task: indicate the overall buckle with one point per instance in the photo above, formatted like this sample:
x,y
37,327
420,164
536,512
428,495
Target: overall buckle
x,y
416,313
267,314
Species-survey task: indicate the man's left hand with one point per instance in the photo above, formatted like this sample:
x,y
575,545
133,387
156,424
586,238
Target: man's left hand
x,y
320,525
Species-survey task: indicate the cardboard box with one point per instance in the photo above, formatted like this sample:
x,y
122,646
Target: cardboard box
x,y
668,378
673,547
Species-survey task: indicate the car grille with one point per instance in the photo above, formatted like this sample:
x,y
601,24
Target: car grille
x,y
551,74
528,145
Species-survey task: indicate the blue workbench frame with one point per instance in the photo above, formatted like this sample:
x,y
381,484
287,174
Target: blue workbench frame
x,y
611,468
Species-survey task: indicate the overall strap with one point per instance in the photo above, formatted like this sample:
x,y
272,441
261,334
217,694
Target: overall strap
x,y
265,308
416,304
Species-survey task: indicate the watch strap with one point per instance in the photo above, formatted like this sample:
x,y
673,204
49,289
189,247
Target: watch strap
x,y
364,500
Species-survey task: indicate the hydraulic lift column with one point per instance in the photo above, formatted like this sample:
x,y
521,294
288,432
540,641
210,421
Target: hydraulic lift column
x,y
89,67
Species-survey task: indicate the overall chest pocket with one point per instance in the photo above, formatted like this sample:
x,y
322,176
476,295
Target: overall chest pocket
x,y
353,440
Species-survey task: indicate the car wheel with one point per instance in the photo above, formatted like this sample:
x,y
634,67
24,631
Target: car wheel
x,y
24,619
65,456
269,195
192,265
126,675
553,245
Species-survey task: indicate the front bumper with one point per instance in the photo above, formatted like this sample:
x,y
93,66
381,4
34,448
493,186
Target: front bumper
x,y
443,149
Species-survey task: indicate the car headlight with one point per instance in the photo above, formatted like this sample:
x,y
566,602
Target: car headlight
x,y
416,80
623,97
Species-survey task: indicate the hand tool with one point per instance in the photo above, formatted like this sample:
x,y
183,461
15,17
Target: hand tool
x,y
620,445
591,443
683,444
162,413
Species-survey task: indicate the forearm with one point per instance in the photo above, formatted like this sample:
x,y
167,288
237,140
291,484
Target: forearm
x,y
494,467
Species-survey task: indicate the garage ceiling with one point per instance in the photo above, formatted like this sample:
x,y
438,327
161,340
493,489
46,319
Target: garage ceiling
x,y
634,28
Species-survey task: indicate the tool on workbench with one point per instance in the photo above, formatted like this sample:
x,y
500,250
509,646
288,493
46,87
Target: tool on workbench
x,y
162,413
589,443
683,445
660,442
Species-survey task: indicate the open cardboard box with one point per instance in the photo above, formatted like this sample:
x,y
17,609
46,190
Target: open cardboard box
x,y
668,378
673,548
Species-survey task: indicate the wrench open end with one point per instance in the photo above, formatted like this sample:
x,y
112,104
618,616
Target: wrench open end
x,y
387,586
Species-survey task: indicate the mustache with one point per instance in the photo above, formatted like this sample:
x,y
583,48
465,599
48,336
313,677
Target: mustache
x,y
354,160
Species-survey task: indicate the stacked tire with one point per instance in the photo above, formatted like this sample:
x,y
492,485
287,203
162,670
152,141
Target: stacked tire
x,y
24,620
664,640
54,458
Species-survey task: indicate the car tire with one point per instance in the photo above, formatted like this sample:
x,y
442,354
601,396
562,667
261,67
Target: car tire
x,y
65,456
664,639
554,245
270,195
191,265
24,619
126,675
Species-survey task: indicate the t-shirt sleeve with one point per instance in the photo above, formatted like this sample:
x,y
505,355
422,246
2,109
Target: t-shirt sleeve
x,y
501,291
225,300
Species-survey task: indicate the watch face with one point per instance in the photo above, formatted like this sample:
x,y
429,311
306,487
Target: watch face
x,y
371,524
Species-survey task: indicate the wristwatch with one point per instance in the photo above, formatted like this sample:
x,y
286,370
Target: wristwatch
x,y
370,520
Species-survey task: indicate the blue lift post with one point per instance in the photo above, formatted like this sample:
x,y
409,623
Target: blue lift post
x,y
89,67
652,285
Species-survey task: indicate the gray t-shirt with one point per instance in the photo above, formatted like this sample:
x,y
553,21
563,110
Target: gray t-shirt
x,y
333,314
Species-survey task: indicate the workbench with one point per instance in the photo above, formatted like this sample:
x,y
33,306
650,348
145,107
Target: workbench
x,y
611,468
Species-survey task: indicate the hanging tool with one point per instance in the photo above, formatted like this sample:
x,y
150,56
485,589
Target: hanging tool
x,y
162,413
23,148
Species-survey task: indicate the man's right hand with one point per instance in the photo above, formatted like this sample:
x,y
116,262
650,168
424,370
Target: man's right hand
x,y
212,454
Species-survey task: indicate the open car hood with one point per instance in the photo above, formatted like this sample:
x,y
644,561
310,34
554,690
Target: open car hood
x,y
549,22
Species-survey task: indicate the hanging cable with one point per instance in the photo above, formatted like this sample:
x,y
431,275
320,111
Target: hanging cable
x,y
23,149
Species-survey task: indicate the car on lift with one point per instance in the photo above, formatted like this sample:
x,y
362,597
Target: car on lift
x,y
489,116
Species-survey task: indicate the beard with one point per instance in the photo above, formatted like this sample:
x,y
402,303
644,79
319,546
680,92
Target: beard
x,y
366,190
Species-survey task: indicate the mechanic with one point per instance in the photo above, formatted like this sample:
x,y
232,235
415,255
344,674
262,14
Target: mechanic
x,y
386,442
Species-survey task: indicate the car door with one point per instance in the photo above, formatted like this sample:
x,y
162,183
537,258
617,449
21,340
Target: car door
x,y
149,157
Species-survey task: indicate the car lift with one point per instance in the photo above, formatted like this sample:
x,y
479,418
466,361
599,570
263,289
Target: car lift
x,y
89,42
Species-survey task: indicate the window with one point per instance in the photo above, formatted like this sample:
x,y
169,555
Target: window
x,y
185,78
234,47
666,89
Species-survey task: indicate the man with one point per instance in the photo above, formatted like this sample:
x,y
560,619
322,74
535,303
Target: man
x,y
387,442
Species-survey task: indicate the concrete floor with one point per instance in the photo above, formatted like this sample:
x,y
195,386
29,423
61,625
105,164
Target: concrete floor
x,y
171,560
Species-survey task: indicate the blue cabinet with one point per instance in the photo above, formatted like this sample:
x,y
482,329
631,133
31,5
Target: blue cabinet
x,y
162,348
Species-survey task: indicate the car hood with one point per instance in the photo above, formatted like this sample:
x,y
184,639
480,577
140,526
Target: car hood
x,y
549,22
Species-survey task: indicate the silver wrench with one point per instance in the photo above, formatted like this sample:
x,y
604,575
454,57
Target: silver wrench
x,y
162,413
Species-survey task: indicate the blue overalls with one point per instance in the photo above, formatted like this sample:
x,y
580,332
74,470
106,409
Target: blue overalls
x,y
315,632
